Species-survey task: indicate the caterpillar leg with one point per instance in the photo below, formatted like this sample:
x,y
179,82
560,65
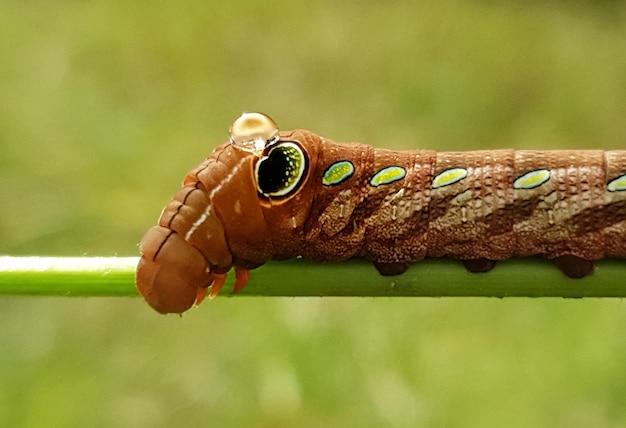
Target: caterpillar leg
x,y
242,276
218,283
573,266
479,265
200,296
390,269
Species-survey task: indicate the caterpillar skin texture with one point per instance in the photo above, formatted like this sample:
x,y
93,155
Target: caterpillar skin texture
x,y
276,195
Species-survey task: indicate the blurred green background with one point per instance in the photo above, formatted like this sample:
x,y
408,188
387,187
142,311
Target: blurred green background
x,y
105,105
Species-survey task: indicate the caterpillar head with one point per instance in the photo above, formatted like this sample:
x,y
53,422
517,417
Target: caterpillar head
x,y
245,204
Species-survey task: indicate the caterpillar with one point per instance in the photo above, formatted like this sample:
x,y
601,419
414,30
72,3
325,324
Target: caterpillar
x,y
269,194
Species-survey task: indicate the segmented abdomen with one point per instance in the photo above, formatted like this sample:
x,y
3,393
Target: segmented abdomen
x,y
404,206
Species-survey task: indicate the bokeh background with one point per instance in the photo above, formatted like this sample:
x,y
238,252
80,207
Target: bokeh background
x,y
105,105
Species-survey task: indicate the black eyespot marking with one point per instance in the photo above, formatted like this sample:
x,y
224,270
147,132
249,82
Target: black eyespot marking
x,y
282,170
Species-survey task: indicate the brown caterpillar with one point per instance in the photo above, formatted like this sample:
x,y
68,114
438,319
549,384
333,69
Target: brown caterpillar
x,y
267,195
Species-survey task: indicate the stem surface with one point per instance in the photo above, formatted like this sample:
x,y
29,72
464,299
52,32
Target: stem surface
x,y
114,276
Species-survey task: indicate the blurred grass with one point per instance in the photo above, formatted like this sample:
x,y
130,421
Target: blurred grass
x,y
103,108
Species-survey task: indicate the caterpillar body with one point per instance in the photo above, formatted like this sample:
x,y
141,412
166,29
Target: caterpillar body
x,y
266,194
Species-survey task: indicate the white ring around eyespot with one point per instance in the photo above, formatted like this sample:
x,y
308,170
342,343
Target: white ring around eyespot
x,y
299,177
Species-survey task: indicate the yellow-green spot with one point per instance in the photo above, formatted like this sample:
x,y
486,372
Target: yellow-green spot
x,y
388,175
449,176
337,173
532,179
617,185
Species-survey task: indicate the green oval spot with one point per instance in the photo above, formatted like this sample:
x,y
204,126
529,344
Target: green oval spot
x,y
388,175
449,176
337,173
617,185
532,179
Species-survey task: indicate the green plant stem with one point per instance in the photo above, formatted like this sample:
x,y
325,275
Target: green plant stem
x,y
67,276
114,276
